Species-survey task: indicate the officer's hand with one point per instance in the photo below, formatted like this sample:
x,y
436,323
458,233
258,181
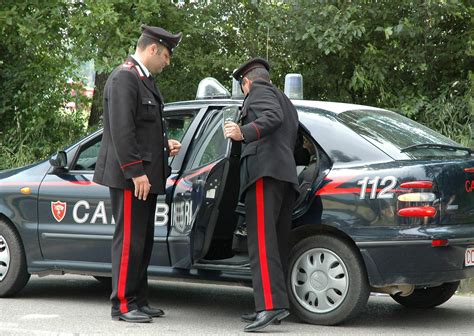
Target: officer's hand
x,y
174,146
232,130
142,187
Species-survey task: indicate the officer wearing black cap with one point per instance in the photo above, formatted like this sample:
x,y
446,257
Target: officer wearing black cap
x,y
133,163
269,126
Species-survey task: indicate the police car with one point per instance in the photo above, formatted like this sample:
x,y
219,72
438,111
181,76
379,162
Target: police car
x,y
385,205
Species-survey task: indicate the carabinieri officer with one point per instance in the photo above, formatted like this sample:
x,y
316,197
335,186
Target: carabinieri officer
x,y
133,163
269,183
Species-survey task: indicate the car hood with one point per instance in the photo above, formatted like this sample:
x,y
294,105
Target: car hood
x,y
39,167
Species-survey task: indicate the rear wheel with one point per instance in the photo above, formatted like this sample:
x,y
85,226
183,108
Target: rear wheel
x,y
428,297
327,281
13,270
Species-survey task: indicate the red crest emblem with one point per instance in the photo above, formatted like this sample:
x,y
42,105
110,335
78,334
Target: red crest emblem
x,y
59,210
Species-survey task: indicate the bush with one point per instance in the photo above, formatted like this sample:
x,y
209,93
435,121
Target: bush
x,y
41,138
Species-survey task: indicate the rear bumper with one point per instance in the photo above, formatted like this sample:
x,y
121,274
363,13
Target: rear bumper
x,y
415,262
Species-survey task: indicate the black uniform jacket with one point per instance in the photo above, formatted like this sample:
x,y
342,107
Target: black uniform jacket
x,y
270,126
134,141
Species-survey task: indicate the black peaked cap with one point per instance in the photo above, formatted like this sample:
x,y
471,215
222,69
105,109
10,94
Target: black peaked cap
x,y
162,36
257,62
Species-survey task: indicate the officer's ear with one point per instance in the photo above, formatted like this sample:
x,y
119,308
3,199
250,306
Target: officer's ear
x,y
246,81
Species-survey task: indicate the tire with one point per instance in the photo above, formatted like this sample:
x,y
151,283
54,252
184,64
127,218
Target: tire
x,y
13,270
327,281
428,297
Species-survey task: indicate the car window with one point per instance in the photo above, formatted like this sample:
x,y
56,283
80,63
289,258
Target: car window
x,y
177,123
393,133
87,156
213,146
343,146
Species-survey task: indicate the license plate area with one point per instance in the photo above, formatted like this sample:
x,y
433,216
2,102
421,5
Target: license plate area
x,y
469,257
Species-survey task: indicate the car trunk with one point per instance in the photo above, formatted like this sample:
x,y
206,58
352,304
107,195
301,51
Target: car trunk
x,y
455,183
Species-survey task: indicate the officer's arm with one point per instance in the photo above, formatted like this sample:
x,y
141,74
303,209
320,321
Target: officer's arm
x,y
265,104
122,111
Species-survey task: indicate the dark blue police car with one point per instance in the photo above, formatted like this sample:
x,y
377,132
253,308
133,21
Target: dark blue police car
x,y
385,205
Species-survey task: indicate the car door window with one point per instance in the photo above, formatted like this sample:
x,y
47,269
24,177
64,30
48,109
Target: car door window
x,y
212,148
177,123
212,145
87,156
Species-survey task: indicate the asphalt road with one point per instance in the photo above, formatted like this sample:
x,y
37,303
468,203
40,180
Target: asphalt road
x,y
75,305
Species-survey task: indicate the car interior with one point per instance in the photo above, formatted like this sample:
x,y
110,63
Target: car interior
x,y
229,240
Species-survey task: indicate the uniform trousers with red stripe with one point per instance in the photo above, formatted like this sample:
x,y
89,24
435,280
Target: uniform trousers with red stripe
x,y
269,206
131,249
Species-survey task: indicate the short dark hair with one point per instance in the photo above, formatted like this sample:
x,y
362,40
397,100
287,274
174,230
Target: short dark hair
x,y
258,73
144,41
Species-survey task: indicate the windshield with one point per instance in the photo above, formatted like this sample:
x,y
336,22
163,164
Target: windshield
x,y
394,133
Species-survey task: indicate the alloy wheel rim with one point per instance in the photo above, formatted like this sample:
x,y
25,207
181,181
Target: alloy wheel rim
x,y
319,280
4,258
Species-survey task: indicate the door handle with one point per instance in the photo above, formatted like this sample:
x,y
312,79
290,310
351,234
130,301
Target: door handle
x,y
198,185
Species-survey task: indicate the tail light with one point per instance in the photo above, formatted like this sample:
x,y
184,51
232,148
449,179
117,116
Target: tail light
x,y
425,209
469,170
417,197
417,211
417,185
439,242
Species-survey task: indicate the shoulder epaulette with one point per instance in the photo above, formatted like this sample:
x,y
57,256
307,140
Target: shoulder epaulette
x,y
127,64
131,65
139,72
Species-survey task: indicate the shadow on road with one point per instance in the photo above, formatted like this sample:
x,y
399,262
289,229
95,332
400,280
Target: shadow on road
x,y
224,302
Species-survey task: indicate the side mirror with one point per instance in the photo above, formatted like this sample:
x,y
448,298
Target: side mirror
x,y
59,160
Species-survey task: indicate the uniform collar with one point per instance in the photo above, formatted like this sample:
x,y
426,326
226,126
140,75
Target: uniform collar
x,y
261,82
145,70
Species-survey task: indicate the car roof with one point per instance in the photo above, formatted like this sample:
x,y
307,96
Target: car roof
x,y
332,107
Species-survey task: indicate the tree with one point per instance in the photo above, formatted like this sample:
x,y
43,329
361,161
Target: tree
x,y
35,66
413,57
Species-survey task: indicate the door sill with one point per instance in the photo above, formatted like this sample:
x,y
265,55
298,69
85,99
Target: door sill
x,y
238,261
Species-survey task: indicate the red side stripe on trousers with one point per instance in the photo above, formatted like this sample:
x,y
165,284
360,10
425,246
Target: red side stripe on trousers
x,y
262,249
127,223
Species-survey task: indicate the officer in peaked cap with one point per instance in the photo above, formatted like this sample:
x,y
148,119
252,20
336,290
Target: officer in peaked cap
x,y
133,163
269,185
162,36
250,65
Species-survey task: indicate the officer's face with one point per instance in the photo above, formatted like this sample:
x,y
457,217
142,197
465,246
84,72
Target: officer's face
x,y
160,60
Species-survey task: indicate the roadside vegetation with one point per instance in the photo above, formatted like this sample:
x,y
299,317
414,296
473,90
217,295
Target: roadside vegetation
x,y
413,57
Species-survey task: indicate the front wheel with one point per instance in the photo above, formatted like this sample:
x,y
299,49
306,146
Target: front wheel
x,y
327,281
13,271
428,297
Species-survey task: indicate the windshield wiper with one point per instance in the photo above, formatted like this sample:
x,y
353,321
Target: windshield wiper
x,y
435,146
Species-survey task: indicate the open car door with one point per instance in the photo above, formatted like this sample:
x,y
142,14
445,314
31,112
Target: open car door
x,y
203,217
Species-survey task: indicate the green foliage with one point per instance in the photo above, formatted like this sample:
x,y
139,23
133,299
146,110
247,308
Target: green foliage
x,y
410,56
216,39
413,57
35,66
